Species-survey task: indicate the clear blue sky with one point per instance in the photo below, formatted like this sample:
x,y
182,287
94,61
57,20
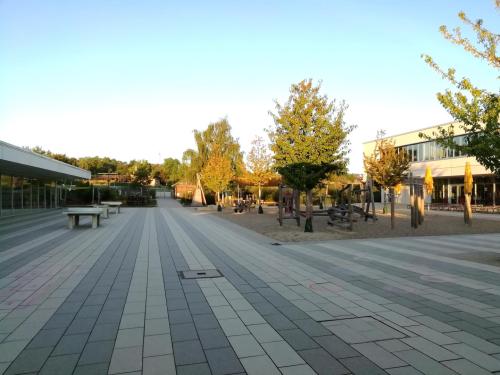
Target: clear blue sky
x,y
132,79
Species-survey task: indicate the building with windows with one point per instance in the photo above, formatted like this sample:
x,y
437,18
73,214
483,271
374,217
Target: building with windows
x,y
30,181
447,168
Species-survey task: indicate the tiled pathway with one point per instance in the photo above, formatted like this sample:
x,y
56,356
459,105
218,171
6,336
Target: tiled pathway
x,y
113,300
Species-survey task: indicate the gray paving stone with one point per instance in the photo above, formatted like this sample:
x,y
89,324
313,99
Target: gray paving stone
x,y
179,317
233,327
336,347
423,363
223,361
393,345
205,321
484,360
129,337
476,342
60,365
259,365
83,325
407,370
157,345
30,360
282,354
213,338
157,326
160,365
96,352
104,332
298,339
264,333
96,369
379,356
465,367
298,370
246,346
429,348
362,366
183,332
46,338
279,322
188,352
197,369
71,344
312,328
322,362
132,320
126,360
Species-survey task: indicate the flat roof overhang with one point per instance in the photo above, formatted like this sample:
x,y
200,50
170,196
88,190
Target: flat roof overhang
x,y
21,162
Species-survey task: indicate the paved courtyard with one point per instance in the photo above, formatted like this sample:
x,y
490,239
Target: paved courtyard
x,y
116,301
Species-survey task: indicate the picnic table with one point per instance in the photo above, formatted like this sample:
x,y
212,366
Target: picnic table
x,y
74,214
114,204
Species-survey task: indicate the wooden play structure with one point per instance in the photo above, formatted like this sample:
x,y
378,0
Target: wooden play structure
x,y
417,204
288,204
339,215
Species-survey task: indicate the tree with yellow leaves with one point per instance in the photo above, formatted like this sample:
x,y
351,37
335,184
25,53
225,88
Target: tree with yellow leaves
x,y
217,174
468,184
387,166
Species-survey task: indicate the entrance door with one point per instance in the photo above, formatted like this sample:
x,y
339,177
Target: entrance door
x,y
457,195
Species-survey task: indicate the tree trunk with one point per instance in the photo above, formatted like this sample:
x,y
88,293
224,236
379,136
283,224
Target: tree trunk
x,y
260,211
468,210
309,212
219,207
384,196
393,216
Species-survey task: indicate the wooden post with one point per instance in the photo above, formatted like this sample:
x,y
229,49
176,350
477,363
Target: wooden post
x,y
420,204
349,202
280,205
296,197
391,197
412,199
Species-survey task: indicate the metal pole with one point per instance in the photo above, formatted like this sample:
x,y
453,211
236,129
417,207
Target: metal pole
x,y
38,195
22,193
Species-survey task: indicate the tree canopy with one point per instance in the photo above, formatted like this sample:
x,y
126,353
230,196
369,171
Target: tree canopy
x,y
309,128
386,165
218,172
259,162
476,110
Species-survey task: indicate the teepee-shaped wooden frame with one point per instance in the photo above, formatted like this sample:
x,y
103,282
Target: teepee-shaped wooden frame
x,y
198,196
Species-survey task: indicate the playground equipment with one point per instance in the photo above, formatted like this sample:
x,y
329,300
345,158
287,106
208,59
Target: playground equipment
x,y
416,200
288,204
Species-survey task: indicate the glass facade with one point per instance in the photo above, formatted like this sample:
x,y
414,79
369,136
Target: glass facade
x,y
430,150
485,192
19,194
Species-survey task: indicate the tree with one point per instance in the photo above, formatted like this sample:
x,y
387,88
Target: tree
x,y
260,165
171,171
217,174
309,137
141,171
476,109
216,138
387,166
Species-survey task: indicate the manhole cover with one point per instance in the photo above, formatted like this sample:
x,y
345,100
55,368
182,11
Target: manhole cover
x,y
200,274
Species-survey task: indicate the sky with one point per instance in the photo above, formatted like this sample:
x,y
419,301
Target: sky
x,y
132,79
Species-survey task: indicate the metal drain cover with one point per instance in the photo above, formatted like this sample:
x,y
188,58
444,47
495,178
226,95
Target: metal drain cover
x,y
200,274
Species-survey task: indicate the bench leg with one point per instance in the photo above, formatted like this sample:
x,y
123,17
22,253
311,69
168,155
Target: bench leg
x,y
105,213
117,210
77,219
95,221
71,221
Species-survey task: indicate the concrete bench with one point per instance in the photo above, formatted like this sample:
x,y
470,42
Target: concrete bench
x,y
74,214
114,204
105,210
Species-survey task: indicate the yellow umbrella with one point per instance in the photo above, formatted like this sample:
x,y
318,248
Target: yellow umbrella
x,y
428,181
468,181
